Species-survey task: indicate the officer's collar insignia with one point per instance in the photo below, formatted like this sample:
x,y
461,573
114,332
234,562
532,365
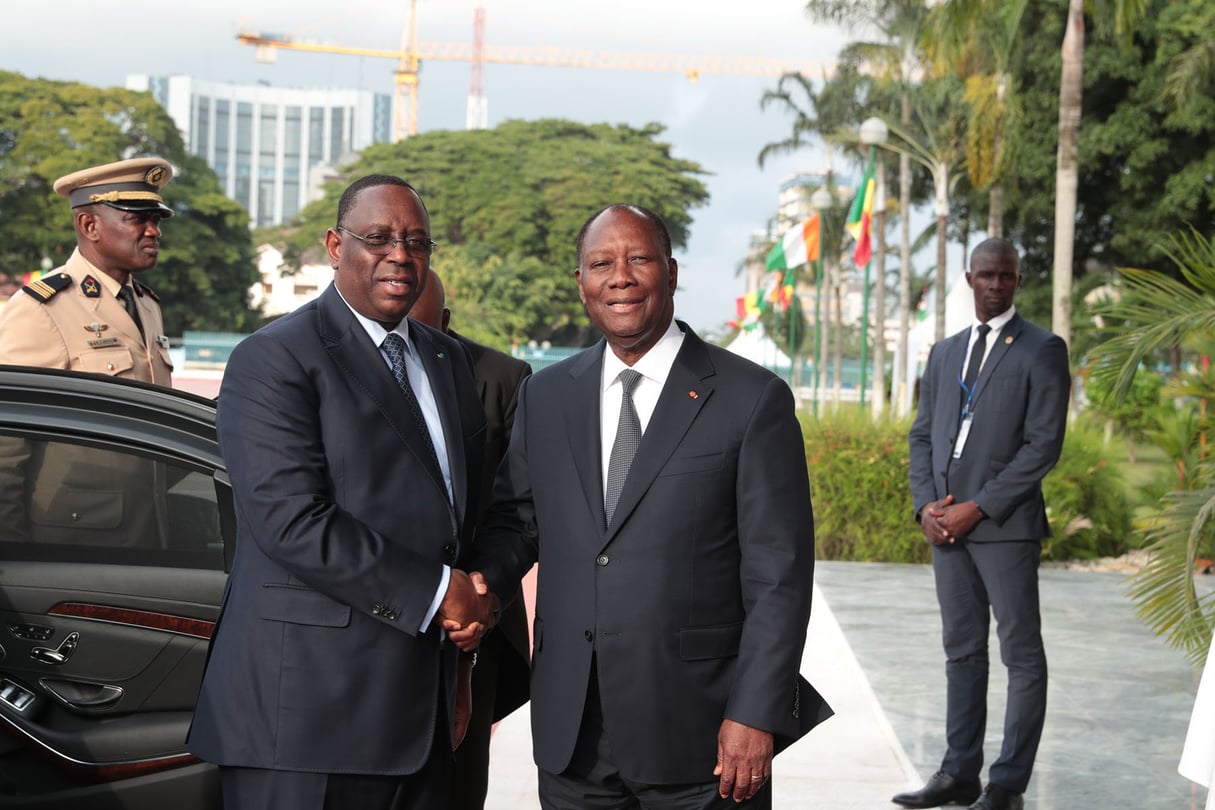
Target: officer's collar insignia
x,y
91,287
162,342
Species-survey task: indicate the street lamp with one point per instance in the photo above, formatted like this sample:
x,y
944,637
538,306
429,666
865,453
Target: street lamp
x,y
820,201
873,133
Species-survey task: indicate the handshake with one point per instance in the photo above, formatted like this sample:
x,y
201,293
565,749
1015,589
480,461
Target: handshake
x,y
468,610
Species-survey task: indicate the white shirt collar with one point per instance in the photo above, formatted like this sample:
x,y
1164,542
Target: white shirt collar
x,y
654,365
374,330
997,323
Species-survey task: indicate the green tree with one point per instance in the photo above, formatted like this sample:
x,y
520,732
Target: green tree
x,y
49,128
975,40
520,192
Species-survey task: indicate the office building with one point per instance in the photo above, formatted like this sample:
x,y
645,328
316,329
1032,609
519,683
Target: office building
x,y
270,145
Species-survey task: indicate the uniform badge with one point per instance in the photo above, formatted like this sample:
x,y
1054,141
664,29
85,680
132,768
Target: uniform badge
x,y
162,342
154,176
91,287
100,342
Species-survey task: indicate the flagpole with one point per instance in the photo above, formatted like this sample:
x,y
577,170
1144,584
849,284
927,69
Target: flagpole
x,y
820,201
865,309
873,131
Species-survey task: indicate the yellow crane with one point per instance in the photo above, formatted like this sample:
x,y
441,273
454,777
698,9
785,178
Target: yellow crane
x,y
412,53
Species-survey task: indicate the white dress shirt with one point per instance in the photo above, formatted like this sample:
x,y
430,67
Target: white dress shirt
x,y
654,367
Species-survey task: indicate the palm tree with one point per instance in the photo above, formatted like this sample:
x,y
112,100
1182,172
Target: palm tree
x,y
896,59
1159,313
1071,92
934,144
974,39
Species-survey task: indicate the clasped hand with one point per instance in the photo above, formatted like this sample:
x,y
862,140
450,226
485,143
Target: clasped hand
x,y
467,610
943,521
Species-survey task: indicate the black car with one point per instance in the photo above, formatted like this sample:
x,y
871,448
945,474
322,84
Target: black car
x,y
116,532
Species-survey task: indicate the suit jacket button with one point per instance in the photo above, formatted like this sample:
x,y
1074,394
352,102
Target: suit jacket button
x,y
378,610
390,615
588,635
449,552
602,560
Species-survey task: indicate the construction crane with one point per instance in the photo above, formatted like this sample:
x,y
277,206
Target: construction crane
x,y
412,54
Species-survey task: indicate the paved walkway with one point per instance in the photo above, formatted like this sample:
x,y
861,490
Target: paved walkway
x,y
1119,700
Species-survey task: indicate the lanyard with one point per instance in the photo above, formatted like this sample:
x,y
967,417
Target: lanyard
x,y
970,396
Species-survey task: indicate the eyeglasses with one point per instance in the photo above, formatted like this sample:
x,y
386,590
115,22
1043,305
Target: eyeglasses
x,y
380,244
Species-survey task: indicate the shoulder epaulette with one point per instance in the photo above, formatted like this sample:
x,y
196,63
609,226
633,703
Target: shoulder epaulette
x,y
43,288
144,289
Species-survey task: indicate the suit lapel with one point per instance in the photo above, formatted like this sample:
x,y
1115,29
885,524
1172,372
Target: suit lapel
x,y
1008,336
950,390
686,391
583,426
353,352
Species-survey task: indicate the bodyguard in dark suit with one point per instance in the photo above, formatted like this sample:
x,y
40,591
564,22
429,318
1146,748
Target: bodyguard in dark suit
x,y
354,440
674,582
500,677
990,425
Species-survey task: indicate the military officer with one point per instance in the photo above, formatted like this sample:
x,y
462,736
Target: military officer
x,y
93,314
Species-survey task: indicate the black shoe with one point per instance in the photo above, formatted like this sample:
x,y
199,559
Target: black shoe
x,y
997,798
941,789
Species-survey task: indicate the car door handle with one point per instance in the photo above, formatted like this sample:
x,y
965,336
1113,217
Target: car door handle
x,y
80,695
59,655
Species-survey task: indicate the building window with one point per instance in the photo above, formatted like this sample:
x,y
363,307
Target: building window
x,y
244,152
337,143
202,127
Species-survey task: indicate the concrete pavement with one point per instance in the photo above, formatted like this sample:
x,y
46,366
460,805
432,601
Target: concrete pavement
x,y
1119,700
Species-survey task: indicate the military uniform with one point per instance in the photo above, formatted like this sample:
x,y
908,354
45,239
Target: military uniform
x,y
72,318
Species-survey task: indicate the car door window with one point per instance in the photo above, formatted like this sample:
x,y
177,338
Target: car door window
x,y
86,502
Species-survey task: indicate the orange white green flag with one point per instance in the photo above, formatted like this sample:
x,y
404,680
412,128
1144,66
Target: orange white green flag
x,y
799,245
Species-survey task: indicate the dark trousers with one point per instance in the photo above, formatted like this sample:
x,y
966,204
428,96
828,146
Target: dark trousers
x,y
975,581
261,789
593,782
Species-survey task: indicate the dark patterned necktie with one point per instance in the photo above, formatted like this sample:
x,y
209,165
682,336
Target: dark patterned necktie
x,y
628,438
394,347
127,296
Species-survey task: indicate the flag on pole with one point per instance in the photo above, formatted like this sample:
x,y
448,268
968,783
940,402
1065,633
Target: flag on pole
x,y
799,245
860,217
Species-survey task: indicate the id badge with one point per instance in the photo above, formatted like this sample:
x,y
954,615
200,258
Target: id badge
x,y
963,432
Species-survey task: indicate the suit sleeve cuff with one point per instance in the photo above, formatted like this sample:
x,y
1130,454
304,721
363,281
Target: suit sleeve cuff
x,y
440,592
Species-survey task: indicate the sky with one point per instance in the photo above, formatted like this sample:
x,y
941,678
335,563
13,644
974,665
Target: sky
x,y
715,121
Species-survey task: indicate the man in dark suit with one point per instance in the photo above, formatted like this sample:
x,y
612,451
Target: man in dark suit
x,y
990,425
499,679
354,441
674,584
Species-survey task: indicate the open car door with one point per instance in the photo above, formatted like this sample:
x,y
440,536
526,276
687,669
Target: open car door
x,y
116,531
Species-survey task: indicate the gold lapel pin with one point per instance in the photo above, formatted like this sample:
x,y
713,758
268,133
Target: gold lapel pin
x,y
1008,340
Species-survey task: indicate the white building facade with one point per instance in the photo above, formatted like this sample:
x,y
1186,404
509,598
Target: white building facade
x,y
266,143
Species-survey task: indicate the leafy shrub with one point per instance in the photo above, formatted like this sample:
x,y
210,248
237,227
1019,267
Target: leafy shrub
x,y
1086,498
862,498
858,482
